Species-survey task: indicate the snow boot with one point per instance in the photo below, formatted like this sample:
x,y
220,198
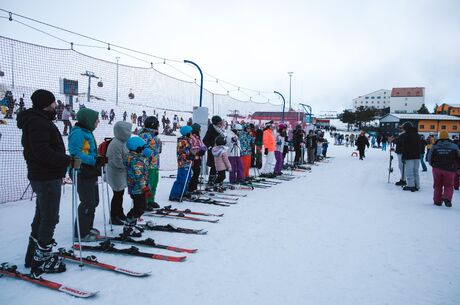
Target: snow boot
x,y
117,221
438,204
448,203
410,188
152,206
30,251
45,261
401,183
130,229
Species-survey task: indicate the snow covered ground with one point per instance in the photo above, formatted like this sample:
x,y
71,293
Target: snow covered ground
x,y
338,235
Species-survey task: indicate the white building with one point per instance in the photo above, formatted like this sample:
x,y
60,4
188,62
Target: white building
x,y
378,99
407,100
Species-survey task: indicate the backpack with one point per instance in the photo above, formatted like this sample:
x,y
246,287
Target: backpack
x,y
102,148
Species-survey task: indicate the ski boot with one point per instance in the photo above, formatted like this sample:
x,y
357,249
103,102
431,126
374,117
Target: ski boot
x,y
401,183
410,188
218,188
152,206
117,220
130,228
447,203
45,261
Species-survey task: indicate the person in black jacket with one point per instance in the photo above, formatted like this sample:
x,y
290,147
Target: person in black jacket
x,y
46,159
411,156
297,140
398,142
214,130
361,143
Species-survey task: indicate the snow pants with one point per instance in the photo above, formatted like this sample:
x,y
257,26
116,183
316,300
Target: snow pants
x,y
246,160
384,146
361,152
88,192
311,155
46,209
116,205
220,177
181,183
237,169
412,168
443,185
422,162
401,167
269,164
456,180
139,205
196,167
153,178
279,162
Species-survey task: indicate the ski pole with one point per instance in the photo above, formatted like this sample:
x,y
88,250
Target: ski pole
x,y
186,179
76,167
103,203
108,198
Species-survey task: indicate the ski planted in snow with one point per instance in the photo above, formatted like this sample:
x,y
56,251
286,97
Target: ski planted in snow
x,y
11,271
93,262
109,247
150,226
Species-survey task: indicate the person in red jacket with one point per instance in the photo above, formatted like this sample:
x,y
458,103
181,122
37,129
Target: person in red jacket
x,y
270,147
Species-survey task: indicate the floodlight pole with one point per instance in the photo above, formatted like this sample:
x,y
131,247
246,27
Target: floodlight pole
x,y
201,82
284,104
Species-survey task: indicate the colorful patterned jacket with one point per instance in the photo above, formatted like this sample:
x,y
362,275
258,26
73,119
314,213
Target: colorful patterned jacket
x,y
148,135
246,143
184,151
137,173
198,148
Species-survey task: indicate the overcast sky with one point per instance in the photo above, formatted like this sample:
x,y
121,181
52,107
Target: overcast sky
x,y
338,50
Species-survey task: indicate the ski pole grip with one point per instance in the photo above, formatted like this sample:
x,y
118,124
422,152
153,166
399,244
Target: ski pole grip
x,y
76,163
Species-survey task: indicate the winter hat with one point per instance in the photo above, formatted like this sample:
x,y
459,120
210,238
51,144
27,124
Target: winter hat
x,y
237,127
185,130
220,140
282,126
134,143
42,98
443,135
216,120
269,123
87,118
196,127
151,122
407,125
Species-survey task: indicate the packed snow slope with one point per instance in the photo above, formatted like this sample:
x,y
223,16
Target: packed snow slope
x,y
338,235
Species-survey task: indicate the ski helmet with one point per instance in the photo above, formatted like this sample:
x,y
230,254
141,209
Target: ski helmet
x,y
216,120
185,130
151,122
196,127
237,127
220,140
134,143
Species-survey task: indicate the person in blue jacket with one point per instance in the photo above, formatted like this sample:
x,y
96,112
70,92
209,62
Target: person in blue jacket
x,y
82,145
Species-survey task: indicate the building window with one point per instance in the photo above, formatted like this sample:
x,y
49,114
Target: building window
x,y
367,97
421,127
378,96
372,97
367,102
454,127
405,104
443,127
432,127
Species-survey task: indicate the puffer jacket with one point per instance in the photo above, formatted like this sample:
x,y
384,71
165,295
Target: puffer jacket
x,y
233,144
184,152
444,155
83,145
117,153
279,142
137,173
198,148
221,161
151,138
269,140
246,143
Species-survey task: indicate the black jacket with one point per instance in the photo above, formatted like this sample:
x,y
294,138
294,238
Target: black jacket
x,y
362,142
297,138
209,140
444,155
411,145
44,150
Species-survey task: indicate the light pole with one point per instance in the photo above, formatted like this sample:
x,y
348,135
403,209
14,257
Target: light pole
x,y
290,78
201,73
284,103
116,98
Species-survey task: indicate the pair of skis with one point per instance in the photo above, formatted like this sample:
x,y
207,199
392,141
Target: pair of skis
x,y
150,226
181,214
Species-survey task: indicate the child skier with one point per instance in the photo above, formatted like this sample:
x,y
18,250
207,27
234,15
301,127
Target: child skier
x,y
198,150
138,189
246,142
150,135
280,138
221,162
184,162
269,145
234,155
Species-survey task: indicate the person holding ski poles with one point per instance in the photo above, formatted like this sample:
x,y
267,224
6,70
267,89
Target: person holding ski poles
x,y
184,163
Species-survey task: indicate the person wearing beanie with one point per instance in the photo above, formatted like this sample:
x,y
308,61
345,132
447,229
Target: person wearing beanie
x,y
411,157
215,129
82,145
247,144
198,150
150,135
270,147
444,158
184,163
399,143
47,162
280,138
222,163
361,143
117,154
234,153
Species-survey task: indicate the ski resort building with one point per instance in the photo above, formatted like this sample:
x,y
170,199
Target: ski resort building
x,y
407,100
449,109
425,123
379,99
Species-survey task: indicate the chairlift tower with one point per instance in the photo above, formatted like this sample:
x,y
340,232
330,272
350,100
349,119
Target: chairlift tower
x,y
90,75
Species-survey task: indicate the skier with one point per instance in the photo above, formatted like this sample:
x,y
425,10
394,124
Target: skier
x,y
66,120
214,130
373,141
280,138
297,140
361,143
198,150
184,160
125,114
246,142
150,135
82,145
384,143
444,157
352,140
137,182
422,153
379,140
347,140
398,150
411,157
311,143
46,159
221,161
117,155
234,154
269,145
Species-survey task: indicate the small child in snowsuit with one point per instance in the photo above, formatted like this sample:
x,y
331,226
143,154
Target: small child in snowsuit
x,y
184,163
221,161
138,187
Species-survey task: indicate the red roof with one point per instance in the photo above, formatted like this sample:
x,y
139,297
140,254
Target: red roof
x,y
405,92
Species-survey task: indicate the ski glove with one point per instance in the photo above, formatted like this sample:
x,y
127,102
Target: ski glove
x,y
147,193
101,160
